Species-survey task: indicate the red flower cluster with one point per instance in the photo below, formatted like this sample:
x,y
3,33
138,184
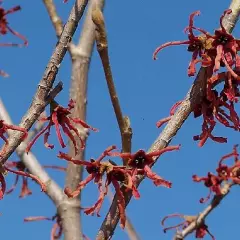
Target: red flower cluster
x,y
4,29
139,163
60,117
215,51
21,171
224,174
21,167
25,191
201,231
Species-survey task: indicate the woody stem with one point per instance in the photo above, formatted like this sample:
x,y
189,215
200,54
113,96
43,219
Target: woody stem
x,y
102,47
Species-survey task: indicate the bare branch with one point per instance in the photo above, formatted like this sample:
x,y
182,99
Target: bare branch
x,y
201,217
55,19
38,127
193,97
81,57
46,83
53,190
102,47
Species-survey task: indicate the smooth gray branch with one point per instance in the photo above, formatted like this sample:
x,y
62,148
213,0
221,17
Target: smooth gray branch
x,y
81,57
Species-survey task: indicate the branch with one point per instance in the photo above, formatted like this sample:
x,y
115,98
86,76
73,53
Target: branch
x,y
102,47
55,19
53,190
201,217
40,99
38,127
81,57
129,228
193,97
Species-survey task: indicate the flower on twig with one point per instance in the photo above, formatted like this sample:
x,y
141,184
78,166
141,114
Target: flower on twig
x,y
4,29
4,26
212,182
195,45
225,174
96,169
201,229
21,170
214,51
230,173
141,163
60,117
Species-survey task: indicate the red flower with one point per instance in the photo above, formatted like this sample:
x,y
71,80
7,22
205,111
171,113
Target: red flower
x,y
212,182
230,172
138,163
201,230
209,110
4,127
4,27
225,46
96,169
59,116
22,171
218,109
141,163
195,45
215,51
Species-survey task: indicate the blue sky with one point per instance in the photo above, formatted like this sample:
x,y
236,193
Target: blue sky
x,y
147,89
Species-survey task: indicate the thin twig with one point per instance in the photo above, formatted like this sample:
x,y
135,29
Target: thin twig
x,y
55,19
201,217
102,47
193,97
40,99
53,190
